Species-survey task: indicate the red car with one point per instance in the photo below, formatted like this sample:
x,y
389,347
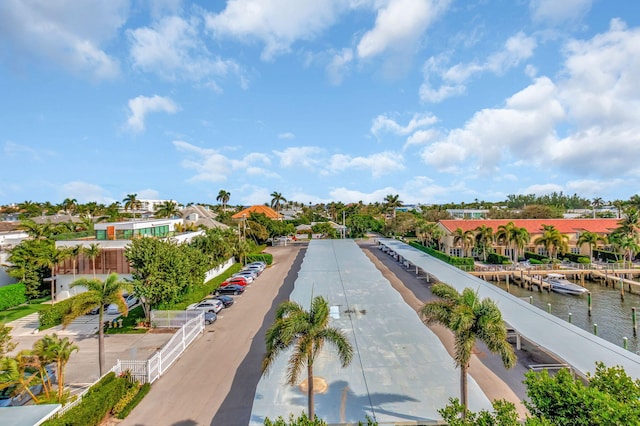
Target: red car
x,y
235,280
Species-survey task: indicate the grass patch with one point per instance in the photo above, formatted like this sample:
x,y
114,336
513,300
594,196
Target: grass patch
x,y
129,323
18,312
203,291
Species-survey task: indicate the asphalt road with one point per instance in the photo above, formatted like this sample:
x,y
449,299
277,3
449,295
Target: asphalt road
x,y
214,381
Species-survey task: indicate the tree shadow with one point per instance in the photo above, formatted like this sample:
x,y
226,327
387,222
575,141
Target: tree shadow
x,y
236,407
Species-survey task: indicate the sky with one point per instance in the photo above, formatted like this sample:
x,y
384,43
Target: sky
x,y
336,100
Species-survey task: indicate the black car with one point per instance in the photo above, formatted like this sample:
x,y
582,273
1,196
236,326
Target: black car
x,y
230,289
226,300
210,318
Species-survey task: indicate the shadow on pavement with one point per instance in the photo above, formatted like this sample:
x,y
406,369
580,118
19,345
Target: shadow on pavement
x,y
236,407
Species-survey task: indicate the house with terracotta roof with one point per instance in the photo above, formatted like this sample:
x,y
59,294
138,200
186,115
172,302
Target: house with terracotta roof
x,y
258,209
572,228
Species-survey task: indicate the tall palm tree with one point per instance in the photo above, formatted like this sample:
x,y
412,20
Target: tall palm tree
x,y
469,318
50,256
276,200
223,197
552,240
391,203
98,294
73,253
463,238
131,202
595,203
592,239
13,374
484,239
93,251
513,237
59,350
167,209
306,332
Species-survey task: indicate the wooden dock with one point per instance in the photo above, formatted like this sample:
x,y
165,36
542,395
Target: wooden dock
x,y
528,278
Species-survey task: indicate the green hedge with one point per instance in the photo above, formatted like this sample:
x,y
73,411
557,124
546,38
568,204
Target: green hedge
x,y
452,260
53,316
607,256
498,259
95,404
535,256
12,295
144,389
260,257
576,258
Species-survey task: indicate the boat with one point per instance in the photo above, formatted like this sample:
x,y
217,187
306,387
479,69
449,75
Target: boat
x,y
560,284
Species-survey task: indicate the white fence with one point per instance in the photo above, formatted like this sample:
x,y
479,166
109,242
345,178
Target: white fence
x,y
172,319
150,370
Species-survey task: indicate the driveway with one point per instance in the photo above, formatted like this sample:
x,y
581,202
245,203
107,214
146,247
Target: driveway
x,y
214,381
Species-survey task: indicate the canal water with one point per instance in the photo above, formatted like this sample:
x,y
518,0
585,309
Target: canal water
x,y
609,314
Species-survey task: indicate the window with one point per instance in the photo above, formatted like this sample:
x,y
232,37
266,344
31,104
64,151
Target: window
x,y
455,251
575,250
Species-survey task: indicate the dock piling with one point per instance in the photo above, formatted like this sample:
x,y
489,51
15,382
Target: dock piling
x,y
635,323
589,303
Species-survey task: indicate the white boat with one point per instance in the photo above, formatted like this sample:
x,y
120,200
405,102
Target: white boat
x,y
560,284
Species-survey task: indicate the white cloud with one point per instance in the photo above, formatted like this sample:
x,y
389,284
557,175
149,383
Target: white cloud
x,y
378,164
339,65
148,194
418,121
300,156
142,105
556,12
267,21
453,79
18,152
399,26
65,33
353,196
286,135
421,137
85,192
172,48
210,165
525,128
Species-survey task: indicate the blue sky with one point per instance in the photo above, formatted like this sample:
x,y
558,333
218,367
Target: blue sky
x,y
335,100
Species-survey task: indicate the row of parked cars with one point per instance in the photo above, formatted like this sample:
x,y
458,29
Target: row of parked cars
x,y
234,285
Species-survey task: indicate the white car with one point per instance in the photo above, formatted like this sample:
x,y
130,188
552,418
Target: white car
x,y
130,300
249,276
208,305
262,265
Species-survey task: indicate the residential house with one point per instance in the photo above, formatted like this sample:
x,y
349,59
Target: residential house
x,y
572,228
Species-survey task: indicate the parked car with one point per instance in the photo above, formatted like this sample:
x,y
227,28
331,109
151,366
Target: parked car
x,y
248,275
96,311
208,305
210,318
230,289
258,263
258,270
129,299
226,300
235,280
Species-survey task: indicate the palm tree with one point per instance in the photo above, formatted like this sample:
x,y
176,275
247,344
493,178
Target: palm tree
x,y
484,239
470,319
223,197
167,209
592,239
73,253
552,240
13,374
131,202
59,351
512,237
392,202
50,256
36,230
306,332
98,294
595,203
92,252
463,238
276,200
69,205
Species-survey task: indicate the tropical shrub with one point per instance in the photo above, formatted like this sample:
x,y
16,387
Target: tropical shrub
x,y
144,390
452,260
53,316
95,404
12,295
260,257
125,400
497,259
